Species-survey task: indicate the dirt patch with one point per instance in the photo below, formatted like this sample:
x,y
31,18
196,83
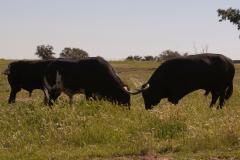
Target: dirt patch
x,y
141,157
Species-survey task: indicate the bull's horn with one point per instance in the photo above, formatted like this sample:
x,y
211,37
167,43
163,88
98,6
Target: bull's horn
x,y
130,92
139,90
146,87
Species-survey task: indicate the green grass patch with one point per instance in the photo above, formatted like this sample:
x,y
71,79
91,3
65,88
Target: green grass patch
x,y
98,129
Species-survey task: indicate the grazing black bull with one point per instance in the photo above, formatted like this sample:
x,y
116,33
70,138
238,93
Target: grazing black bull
x,y
177,77
93,76
26,74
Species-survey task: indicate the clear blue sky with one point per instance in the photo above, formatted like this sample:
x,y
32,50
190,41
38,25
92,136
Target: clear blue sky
x,y
115,29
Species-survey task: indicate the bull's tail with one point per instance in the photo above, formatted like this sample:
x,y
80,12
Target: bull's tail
x,y
229,91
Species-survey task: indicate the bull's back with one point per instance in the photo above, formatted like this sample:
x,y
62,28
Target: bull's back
x,y
90,72
196,71
27,74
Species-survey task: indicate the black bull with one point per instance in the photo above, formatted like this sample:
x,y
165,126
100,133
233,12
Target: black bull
x,y
92,76
26,74
177,77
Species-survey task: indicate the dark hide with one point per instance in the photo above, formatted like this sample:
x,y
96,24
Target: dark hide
x,y
92,76
27,75
178,77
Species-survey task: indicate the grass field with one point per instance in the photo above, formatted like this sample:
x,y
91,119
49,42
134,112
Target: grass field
x,y
100,130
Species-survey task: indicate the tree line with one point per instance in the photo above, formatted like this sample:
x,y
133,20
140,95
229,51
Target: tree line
x,y
230,14
46,52
165,55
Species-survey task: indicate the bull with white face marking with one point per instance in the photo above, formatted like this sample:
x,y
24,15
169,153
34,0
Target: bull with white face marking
x,y
178,77
93,76
27,75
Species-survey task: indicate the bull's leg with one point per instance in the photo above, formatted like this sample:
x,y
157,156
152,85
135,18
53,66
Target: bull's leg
x,y
222,99
88,95
50,103
71,100
214,98
53,95
206,92
30,93
173,100
50,100
45,101
96,97
128,105
13,94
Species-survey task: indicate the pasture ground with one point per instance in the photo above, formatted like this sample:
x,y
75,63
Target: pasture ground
x,y
100,130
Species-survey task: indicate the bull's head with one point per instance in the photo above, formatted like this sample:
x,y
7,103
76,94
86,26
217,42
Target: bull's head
x,y
149,96
148,93
54,90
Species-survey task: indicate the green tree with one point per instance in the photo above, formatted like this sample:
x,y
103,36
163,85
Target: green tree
x,y
233,15
156,58
75,53
148,58
137,58
134,58
129,58
168,54
45,52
